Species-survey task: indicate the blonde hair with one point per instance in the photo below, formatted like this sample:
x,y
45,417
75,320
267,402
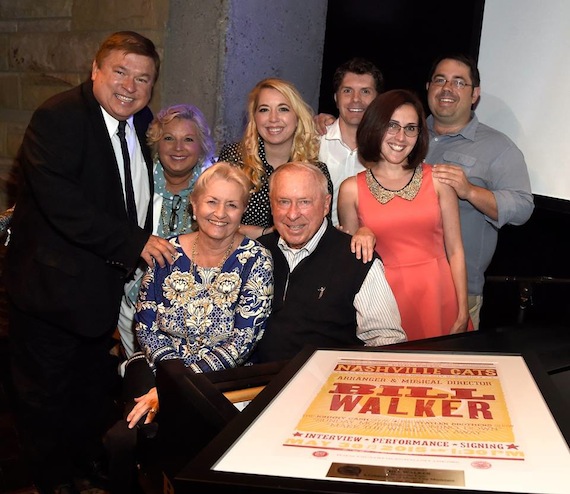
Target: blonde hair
x,y
305,145
225,171
187,112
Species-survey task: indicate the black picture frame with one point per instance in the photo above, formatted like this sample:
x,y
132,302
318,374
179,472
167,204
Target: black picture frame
x,y
194,408
199,474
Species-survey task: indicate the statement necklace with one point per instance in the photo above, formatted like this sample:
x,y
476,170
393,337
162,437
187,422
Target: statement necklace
x,y
183,226
408,192
227,253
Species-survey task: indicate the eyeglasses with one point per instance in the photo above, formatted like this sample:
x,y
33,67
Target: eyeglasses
x,y
176,203
456,83
409,130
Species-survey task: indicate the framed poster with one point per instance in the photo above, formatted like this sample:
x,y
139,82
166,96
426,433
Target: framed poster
x,y
376,421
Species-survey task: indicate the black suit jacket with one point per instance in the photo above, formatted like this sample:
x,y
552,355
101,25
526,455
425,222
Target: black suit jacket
x,y
71,246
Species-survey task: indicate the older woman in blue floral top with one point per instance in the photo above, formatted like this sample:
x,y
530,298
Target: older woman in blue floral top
x,y
209,308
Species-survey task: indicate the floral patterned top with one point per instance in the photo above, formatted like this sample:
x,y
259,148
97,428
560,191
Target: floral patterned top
x,y
209,318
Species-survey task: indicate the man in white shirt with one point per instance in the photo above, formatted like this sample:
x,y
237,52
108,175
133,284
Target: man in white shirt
x,y
355,83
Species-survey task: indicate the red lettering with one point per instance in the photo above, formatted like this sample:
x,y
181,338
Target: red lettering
x,y
372,405
467,394
347,403
424,408
422,392
477,408
449,406
391,390
353,389
393,407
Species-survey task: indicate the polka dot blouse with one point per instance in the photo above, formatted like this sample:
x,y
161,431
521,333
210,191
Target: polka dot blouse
x,y
258,211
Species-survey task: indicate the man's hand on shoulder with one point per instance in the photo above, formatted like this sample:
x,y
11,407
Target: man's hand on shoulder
x,y
454,176
322,121
158,250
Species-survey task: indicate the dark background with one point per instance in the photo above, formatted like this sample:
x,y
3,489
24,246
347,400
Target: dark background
x,y
401,37
531,266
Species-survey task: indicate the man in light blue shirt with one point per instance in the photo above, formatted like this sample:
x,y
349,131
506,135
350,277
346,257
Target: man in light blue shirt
x,y
483,165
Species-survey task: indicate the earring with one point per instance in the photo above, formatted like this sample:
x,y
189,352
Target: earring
x,y
194,217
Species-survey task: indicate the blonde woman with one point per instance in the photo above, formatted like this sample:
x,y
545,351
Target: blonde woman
x,y
280,128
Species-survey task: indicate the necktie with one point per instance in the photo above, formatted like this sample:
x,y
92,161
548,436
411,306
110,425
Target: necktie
x,y
129,192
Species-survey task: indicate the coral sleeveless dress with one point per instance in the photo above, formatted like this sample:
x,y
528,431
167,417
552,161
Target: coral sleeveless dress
x,y
409,239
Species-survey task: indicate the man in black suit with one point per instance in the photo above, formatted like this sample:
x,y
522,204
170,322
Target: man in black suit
x,y
72,247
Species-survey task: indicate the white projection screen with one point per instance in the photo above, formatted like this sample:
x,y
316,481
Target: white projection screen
x,y
524,59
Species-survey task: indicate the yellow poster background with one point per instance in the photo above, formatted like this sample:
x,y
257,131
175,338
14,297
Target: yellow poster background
x,y
405,416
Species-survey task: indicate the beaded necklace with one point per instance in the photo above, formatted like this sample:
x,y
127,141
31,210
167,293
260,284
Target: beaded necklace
x,y
160,188
183,226
384,195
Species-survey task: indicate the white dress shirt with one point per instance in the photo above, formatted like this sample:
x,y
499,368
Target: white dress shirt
x,y
341,161
139,173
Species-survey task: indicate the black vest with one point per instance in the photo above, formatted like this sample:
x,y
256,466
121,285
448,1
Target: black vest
x,y
317,308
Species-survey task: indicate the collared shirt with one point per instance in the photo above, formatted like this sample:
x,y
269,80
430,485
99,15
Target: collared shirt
x,y
139,174
376,310
341,161
490,160
163,201
295,256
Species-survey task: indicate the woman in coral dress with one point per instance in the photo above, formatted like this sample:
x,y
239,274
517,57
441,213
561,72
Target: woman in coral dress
x,y
413,218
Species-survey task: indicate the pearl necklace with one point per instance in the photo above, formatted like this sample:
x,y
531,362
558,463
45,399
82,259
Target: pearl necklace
x,y
227,253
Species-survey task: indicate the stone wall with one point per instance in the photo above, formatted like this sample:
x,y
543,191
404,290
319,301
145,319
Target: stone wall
x,y
213,52
275,38
216,51
47,47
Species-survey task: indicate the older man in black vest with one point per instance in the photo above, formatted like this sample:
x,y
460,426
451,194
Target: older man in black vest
x,y
324,295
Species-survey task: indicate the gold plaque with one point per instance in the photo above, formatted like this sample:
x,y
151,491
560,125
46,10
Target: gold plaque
x,y
455,478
